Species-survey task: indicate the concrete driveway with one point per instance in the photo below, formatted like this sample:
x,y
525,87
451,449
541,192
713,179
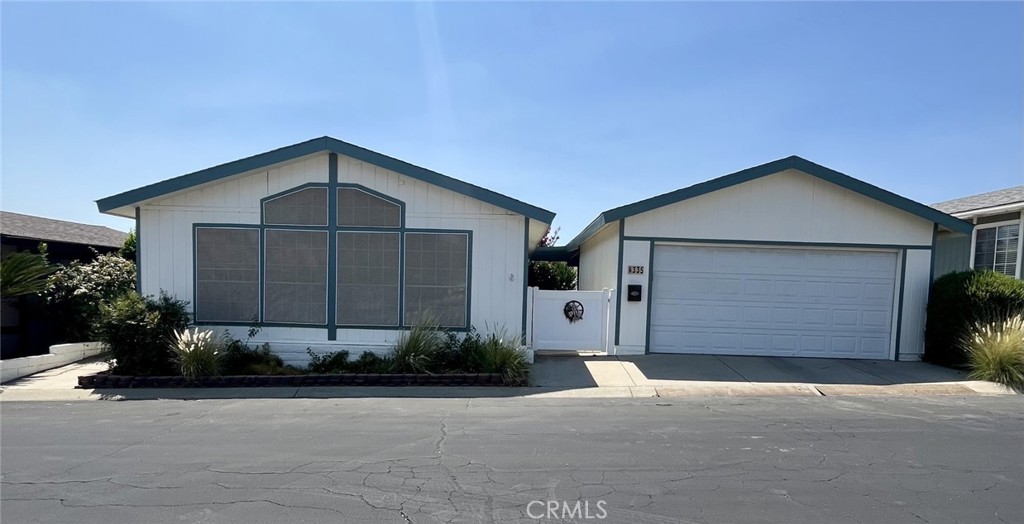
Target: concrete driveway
x,y
675,375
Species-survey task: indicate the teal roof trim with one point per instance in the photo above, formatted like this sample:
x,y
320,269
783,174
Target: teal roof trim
x,y
318,145
746,175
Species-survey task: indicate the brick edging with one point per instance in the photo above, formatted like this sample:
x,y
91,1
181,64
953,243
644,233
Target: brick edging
x,y
103,380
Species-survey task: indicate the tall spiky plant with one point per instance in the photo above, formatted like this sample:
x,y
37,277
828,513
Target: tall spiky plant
x,y
23,273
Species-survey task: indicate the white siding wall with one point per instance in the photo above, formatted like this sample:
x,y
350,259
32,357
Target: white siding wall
x,y
599,260
497,260
915,302
633,315
787,206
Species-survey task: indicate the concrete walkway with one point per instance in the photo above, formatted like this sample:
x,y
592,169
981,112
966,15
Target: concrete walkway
x,y
584,377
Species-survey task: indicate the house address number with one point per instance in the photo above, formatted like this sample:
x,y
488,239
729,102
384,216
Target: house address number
x,y
636,270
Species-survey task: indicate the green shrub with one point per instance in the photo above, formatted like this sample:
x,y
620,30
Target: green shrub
x,y
370,362
328,363
136,331
197,353
502,354
996,352
240,359
75,294
460,353
959,301
417,348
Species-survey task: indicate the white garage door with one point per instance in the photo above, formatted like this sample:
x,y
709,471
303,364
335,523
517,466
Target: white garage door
x,y
772,301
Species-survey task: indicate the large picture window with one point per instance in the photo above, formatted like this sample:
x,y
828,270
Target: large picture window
x,y
996,248
368,279
332,256
436,277
227,274
295,277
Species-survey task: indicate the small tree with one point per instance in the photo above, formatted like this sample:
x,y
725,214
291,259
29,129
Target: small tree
x,y
551,275
127,250
76,291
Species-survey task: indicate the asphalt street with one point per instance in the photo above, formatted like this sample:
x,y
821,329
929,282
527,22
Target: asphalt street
x,y
787,459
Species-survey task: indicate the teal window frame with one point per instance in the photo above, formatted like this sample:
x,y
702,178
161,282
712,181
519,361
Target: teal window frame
x,y
332,230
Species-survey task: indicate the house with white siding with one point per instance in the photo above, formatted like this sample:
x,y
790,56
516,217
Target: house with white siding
x,y
330,246
998,218
789,258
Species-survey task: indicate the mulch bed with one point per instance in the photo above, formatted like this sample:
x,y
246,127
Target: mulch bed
x,y
103,380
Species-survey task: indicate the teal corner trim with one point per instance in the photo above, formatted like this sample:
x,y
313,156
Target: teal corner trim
x,y
618,281
650,298
138,250
899,311
526,270
314,146
332,247
746,175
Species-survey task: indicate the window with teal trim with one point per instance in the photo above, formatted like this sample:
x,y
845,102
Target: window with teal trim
x,y
295,277
368,293
304,207
437,278
358,208
227,274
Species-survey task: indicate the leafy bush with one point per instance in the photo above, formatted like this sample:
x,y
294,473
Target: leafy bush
x,y
961,300
23,273
136,331
370,362
417,348
463,353
130,245
197,353
551,275
502,355
76,292
996,352
332,362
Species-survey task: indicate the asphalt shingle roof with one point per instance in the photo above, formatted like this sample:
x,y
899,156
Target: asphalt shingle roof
x,y
48,229
1010,195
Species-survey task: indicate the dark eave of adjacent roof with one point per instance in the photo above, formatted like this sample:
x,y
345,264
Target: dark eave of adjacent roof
x,y
318,145
753,173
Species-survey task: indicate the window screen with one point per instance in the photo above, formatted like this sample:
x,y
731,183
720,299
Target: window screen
x,y
305,207
436,277
227,274
367,279
996,248
359,208
295,278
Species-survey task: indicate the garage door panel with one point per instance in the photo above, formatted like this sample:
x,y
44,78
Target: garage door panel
x,y
772,301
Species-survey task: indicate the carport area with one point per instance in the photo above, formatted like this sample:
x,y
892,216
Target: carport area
x,y
695,375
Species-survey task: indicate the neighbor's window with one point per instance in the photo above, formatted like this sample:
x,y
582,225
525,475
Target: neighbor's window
x,y
305,207
996,248
367,279
295,277
436,277
227,274
359,208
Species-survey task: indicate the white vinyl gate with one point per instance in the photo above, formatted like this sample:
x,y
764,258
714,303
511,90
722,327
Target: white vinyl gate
x,y
569,320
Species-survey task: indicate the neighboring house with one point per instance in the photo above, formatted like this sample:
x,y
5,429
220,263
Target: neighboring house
x,y
330,246
999,218
789,258
22,332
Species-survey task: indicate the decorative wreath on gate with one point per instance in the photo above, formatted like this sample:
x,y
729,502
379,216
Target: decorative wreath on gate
x,y
573,311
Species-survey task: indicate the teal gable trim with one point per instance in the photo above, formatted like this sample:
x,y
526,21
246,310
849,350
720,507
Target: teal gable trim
x,y
753,173
650,298
310,147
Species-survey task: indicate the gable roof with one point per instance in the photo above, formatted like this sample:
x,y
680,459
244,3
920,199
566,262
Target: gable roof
x,y
753,173
1002,197
309,147
43,229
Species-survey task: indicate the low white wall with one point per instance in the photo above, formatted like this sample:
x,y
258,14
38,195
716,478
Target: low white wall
x,y
59,355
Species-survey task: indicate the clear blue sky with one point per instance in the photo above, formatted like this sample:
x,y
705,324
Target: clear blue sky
x,y
574,107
